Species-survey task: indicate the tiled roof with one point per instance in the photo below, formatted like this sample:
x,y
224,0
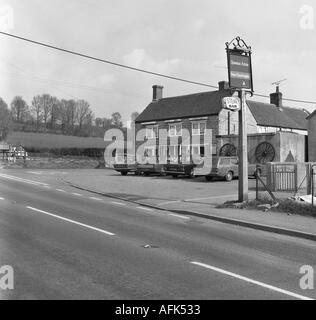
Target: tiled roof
x,y
192,105
210,103
267,114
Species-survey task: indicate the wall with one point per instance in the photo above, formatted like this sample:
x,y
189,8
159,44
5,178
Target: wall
x,y
292,147
312,138
289,146
223,122
211,123
253,141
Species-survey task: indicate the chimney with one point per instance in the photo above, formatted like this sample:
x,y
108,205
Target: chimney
x,y
157,92
223,85
276,98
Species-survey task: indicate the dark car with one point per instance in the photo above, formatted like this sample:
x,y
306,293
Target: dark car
x,y
125,164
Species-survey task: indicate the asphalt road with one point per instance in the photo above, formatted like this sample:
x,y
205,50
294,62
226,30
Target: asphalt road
x,y
70,244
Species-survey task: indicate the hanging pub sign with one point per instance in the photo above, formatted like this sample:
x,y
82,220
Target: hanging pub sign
x,y
231,103
239,65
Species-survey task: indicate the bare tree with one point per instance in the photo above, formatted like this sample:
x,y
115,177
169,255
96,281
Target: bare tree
x,y
116,120
37,110
19,109
5,120
83,112
134,115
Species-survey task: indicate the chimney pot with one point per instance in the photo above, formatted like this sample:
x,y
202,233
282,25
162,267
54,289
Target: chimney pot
x,y
157,92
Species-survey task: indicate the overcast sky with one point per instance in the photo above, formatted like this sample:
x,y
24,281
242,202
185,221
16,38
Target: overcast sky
x,y
181,38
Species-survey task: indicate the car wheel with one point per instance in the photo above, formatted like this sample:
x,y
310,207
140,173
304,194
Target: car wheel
x,y
124,173
191,174
229,176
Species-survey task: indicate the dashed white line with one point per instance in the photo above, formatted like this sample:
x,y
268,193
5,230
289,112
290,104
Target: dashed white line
x,y
60,190
178,216
94,198
118,203
258,283
144,208
18,179
73,221
1,198
76,194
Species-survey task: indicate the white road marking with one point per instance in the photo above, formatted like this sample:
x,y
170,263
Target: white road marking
x,y
118,203
1,198
258,283
60,190
94,198
76,194
144,208
178,216
18,179
72,221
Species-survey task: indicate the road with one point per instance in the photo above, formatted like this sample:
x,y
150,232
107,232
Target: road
x,y
70,244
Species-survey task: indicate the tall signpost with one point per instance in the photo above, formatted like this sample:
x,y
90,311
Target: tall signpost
x,y
240,79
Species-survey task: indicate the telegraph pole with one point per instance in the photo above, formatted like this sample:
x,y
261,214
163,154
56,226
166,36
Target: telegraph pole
x,y
240,79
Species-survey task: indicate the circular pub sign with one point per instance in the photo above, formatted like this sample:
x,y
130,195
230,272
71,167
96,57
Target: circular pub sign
x,y
231,103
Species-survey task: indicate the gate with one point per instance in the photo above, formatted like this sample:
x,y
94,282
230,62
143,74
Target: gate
x,y
282,176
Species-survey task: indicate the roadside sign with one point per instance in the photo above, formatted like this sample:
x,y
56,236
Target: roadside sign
x,y
239,70
231,103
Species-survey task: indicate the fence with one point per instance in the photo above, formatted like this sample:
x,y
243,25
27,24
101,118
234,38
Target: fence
x,y
295,181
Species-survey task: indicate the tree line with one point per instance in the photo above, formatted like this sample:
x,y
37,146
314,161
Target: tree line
x,y
51,115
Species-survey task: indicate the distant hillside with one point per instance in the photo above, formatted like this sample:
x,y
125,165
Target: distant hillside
x,y
51,141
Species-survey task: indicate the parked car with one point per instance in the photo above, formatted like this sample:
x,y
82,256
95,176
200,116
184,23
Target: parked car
x,y
228,168
176,170
150,169
125,164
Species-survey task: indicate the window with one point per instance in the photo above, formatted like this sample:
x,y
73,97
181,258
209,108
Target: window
x,y
198,150
152,132
150,152
175,130
198,128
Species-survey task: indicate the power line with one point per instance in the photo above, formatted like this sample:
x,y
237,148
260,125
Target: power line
x,y
106,61
133,68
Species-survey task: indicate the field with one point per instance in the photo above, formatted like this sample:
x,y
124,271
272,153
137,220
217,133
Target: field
x,y
30,140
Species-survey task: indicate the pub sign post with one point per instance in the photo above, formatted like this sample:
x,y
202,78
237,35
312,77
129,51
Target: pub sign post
x,y
240,79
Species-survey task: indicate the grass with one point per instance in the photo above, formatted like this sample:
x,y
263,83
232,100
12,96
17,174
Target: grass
x,y
285,206
51,141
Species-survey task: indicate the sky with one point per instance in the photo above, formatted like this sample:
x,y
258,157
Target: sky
x,y
181,38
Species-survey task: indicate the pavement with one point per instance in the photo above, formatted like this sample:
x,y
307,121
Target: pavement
x,y
67,243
